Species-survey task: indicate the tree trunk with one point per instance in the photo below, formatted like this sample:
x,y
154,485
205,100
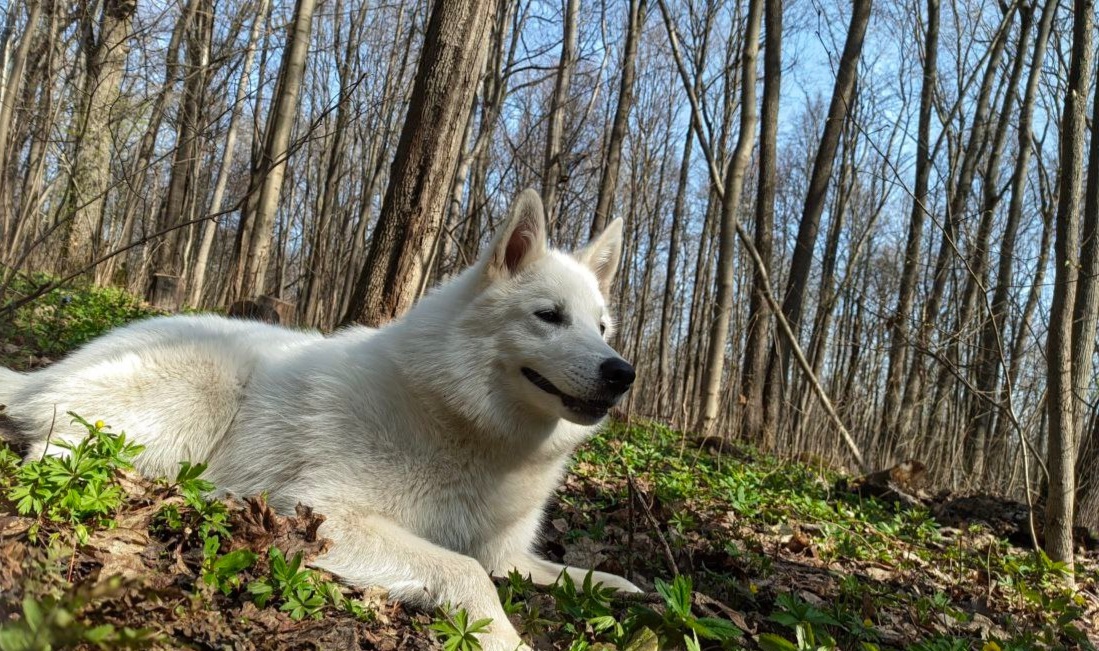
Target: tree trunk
x,y
91,167
314,271
393,97
759,312
210,226
801,265
139,168
419,182
181,194
899,321
258,218
609,182
1061,349
1086,311
7,110
989,349
553,168
664,374
495,89
826,294
993,344
713,371
955,211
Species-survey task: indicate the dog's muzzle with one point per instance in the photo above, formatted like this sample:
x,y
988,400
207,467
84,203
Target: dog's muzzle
x,y
616,376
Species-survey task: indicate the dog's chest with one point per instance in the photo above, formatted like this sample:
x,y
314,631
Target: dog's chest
x,y
466,506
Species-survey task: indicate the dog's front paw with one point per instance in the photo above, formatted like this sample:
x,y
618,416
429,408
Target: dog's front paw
x,y
614,581
496,642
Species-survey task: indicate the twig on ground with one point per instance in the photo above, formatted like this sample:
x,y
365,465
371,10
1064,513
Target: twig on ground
x,y
654,524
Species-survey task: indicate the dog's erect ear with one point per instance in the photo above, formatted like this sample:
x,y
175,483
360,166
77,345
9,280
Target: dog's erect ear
x,y
521,241
602,254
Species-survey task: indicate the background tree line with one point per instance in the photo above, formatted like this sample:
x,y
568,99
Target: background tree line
x,y
862,231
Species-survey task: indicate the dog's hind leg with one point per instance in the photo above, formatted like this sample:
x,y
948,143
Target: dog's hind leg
x,y
370,550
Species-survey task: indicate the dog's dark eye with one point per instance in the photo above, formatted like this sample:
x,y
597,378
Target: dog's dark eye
x,y
602,328
553,316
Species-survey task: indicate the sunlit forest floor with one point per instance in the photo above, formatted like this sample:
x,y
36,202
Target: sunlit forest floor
x,y
737,549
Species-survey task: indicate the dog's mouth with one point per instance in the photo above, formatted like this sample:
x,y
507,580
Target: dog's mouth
x,y
590,408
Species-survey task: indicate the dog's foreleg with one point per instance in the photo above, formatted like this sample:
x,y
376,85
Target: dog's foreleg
x,y
544,572
370,550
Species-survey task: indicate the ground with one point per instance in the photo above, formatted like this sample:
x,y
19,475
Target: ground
x,y
738,550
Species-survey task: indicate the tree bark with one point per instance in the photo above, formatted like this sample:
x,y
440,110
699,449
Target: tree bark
x,y
899,322
991,350
1085,313
609,182
1061,349
314,271
181,194
664,372
759,314
993,334
258,217
140,163
430,143
553,168
801,264
955,211
210,226
7,110
91,168
713,371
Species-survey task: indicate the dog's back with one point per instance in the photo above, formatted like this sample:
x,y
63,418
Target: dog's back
x,y
175,382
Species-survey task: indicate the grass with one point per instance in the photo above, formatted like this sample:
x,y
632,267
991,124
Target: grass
x,y
738,550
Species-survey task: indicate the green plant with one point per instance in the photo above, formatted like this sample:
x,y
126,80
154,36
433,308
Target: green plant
x,y
67,317
514,592
224,572
588,606
207,519
51,623
457,632
807,621
9,466
300,592
678,623
80,488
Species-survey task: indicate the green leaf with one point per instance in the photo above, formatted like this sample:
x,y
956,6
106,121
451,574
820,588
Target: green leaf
x,y
261,592
713,628
772,642
677,595
234,562
32,613
643,640
99,634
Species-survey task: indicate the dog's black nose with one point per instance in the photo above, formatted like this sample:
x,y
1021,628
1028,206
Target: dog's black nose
x,y
617,374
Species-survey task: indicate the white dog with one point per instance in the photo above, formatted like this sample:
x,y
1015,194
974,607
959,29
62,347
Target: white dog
x,y
431,445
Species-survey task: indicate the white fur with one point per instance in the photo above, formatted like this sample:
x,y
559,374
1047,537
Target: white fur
x,y
429,452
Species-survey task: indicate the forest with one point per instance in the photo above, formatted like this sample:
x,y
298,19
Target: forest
x,y
861,253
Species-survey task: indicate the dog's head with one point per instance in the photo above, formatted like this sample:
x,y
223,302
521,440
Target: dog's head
x,y
547,317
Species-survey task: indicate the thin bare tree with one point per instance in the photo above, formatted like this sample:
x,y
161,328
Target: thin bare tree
x,y
552,164
635,18
253,250
1073,297
714,370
